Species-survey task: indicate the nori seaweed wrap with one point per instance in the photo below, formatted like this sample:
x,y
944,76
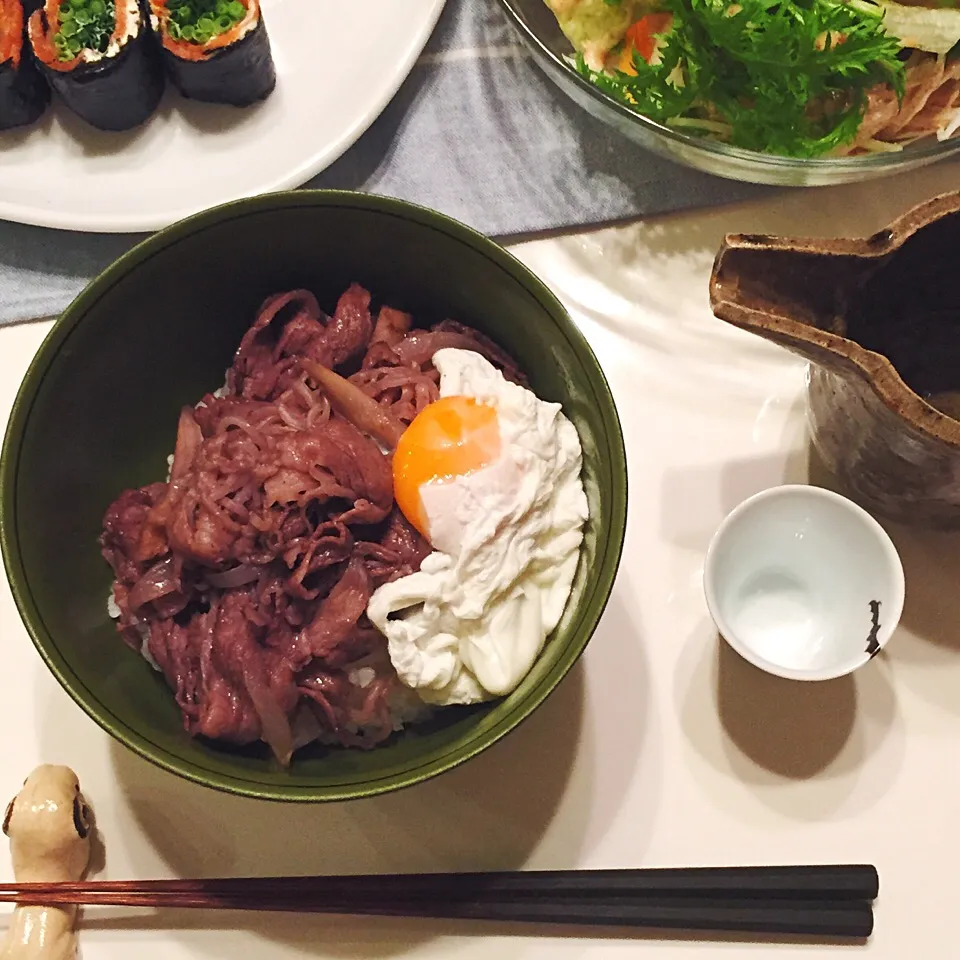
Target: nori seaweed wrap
x,y
24,94
101,58
215,50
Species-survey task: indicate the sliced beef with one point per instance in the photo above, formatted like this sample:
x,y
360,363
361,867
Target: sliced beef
x,y
248,573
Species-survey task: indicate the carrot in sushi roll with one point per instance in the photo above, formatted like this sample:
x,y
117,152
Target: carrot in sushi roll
x,y
215,50
24,94
101,58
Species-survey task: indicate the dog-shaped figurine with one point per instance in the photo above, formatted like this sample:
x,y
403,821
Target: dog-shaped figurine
x,y
49,825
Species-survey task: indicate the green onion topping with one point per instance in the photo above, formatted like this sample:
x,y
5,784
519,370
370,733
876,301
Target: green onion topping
x,y
84,25
199,21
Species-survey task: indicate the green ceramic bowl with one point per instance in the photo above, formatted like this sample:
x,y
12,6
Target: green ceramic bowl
x,y
97,412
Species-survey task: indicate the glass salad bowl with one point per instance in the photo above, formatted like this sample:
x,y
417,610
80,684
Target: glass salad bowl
x,y
539,31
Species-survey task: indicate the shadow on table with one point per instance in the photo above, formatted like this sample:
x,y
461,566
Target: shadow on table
x,y
931,611
808,750
926,647
402,934
786,728
795,730
489,813
539,798
694,499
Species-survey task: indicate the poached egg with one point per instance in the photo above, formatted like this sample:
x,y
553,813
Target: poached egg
x,y
490,475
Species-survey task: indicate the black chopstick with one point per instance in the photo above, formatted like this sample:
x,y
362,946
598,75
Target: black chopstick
x,y
837,919
835,882
824,882
849,919
825,901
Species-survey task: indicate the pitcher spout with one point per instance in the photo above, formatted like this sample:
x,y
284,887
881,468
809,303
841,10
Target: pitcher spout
x,y
879,319
796,292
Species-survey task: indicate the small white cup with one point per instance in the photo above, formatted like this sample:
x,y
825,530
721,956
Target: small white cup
x,y
803,583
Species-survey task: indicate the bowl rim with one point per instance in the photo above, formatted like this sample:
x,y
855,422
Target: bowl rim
x,y
606,567
803,491
869,164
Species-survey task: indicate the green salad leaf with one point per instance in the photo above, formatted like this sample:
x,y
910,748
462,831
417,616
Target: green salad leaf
x,y
787,77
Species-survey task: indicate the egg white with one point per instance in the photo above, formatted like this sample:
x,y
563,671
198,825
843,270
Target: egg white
x,y
470,623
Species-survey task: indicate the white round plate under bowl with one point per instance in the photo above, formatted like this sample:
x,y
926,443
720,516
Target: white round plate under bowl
x,y
339,63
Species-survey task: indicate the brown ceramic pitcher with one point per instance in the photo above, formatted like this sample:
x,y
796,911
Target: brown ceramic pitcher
x,y
879,320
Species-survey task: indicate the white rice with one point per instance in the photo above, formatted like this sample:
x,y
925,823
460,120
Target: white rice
x,y
407,708
142,629
362,677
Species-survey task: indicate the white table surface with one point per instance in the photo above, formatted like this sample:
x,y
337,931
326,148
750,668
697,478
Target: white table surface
x,y
662,747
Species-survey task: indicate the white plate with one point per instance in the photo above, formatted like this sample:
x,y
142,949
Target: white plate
x,y
339,62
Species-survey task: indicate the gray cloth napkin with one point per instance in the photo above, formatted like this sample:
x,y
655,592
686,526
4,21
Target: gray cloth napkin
x,y
476,131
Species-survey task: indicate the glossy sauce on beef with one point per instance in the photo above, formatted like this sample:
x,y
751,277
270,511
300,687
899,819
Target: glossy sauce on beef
x,y
248,572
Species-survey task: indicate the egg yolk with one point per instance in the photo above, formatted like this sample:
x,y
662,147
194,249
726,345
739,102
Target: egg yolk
x,y
450,438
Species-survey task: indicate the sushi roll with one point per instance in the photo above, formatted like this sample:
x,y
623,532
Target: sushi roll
x,y
101,58
215,50
24,94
